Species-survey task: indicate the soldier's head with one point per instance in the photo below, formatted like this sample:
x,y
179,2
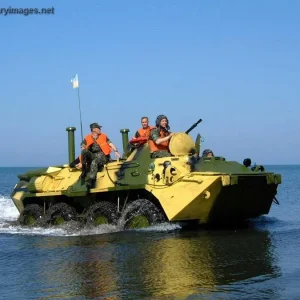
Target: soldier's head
x,y
145,122
95,128
162,121
207,153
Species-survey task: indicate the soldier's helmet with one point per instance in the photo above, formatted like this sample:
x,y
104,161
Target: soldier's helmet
x,y
206,152
95,125
158,120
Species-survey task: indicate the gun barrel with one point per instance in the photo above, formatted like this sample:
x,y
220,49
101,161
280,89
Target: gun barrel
x,y
193,126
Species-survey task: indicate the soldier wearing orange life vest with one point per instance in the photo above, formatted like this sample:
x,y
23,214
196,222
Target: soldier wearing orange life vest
x,y
96,153
145,130
160,137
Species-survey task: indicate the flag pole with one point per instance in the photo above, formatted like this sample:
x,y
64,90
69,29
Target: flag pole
x,y
75,83
80,113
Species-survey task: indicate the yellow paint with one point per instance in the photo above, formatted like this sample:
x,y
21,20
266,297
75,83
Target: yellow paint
x,y
187,200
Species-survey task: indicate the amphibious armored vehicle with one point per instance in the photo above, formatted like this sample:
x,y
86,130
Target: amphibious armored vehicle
x,y
138,191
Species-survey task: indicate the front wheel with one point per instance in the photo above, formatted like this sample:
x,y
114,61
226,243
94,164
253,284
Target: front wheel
x,y
31,215
141,213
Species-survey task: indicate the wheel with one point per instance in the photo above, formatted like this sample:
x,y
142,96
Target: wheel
x,y
102,213
141,213
59,213
31,214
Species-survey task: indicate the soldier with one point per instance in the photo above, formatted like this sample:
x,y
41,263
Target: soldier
x,y
160,137
145,130
207,153
96,153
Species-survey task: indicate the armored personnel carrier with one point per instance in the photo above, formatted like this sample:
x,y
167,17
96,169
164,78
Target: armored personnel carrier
x,y
138,191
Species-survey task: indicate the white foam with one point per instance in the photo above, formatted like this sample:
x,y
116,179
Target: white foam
x,y
71,231
8,211
65,230
9,214
163,227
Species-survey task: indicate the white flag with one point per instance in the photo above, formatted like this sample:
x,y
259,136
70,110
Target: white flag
x,y
75,82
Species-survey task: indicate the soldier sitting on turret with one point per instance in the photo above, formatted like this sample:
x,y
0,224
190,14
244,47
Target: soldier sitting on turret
x,y
160,137
142,135
145,130
96,153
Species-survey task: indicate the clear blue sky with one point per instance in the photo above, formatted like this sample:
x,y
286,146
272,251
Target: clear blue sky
x,y
235,64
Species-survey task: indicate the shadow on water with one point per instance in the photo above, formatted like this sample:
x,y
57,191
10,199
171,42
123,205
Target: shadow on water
x,y
139,264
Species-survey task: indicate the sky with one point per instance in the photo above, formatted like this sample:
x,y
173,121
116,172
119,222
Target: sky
x,y
234,64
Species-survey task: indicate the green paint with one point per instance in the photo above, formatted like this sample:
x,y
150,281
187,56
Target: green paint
x,y
125,141
71,143
138,222
29,220
58,220
101,220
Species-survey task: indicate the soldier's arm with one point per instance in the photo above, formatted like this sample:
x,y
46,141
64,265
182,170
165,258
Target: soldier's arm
x,y
109,142
112,146
164,139
137,134
155,136
117,153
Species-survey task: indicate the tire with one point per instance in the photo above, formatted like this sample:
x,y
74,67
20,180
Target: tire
x,y
31,215
141,213
102,213
60,213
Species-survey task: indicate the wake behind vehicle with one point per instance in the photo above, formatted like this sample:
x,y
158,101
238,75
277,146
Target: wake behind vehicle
x,y
138,191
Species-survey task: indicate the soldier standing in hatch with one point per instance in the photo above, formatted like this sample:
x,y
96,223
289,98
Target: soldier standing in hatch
x,y
160,137
145,130
96,153
207,153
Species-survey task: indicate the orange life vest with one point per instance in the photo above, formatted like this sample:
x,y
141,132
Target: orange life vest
x,y
140,140
163,146
101,141
145,132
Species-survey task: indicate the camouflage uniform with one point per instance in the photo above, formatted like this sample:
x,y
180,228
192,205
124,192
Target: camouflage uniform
x,y
137,134
154,135
92,160
74,162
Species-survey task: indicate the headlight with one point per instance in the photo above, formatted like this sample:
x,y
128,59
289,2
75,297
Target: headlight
x,y
151,167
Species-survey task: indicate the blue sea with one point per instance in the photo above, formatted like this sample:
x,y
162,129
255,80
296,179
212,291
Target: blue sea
x,y
260,260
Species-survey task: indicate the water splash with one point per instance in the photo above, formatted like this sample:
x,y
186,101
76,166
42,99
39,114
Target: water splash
x,y
163,227
8,211
9,215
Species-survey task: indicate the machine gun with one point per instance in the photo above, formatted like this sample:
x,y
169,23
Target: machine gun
x,y
193,126
198,139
